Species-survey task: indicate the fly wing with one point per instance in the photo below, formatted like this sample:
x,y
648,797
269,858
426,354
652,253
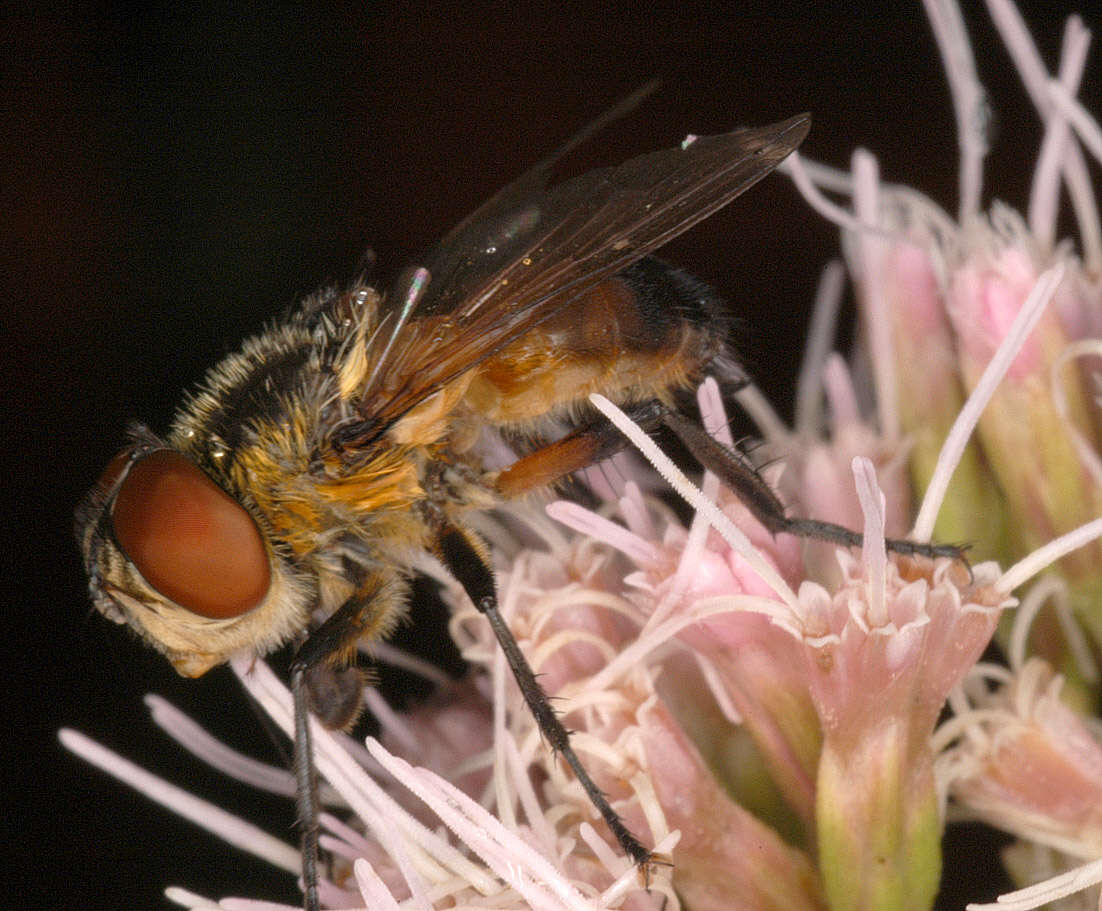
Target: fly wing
x,y
525,255
487,239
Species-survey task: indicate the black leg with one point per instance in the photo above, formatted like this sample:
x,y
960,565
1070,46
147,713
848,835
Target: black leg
x,y
325,683
599,440
744,481
467,565
306,785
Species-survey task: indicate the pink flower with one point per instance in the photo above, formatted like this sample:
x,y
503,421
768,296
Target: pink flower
x,y
1027,763
761,711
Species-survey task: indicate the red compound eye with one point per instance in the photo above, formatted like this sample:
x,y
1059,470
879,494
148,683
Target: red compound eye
x,y
191,541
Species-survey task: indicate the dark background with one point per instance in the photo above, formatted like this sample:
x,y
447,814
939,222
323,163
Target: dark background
x,y
172,179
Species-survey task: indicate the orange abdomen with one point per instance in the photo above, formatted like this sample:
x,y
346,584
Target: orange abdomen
x,y
636,336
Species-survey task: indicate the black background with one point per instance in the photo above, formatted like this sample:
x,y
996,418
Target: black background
x,y
173,179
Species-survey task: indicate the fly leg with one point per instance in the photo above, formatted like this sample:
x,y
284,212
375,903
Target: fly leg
x,y
325,683
736,472
589,444
306,790
456,550
599,440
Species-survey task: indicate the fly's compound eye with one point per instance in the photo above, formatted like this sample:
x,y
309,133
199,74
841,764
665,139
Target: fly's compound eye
x,y
189,539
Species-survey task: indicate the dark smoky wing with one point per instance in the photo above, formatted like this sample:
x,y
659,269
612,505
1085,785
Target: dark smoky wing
x,y
607,206
543,253
489,237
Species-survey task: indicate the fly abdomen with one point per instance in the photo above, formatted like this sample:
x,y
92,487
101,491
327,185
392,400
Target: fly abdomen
x,y
642,334
661,308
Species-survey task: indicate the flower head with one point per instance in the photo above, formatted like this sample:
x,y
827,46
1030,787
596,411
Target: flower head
x,y
768,714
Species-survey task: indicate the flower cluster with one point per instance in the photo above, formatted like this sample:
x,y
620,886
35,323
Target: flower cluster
x,y
770,714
